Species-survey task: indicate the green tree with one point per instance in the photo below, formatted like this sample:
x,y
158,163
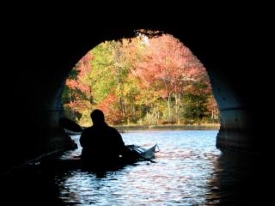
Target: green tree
x,y
149,78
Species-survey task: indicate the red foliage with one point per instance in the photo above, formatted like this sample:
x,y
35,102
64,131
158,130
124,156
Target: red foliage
x,y
168,66
111,112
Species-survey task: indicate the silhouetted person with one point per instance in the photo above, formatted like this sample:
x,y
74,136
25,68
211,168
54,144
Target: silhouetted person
x,y
101,143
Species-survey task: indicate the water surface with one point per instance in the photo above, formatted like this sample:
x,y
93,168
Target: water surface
x,y
189,170
183,168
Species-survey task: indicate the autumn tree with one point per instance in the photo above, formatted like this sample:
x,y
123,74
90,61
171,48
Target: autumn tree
x,y
150,78
76,95
168,68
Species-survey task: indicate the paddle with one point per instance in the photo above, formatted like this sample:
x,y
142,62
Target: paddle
x,y
70,125
147,159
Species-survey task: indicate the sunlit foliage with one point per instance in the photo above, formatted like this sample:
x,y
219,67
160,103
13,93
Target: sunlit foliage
x,y
151,78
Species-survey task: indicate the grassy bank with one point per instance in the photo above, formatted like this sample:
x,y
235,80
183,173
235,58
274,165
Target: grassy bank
x,y
125,128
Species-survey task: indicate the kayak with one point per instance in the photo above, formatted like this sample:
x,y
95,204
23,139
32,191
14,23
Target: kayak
x,y
138,153
135,154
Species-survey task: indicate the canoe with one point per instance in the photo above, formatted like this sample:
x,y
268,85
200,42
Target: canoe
x,y
135,154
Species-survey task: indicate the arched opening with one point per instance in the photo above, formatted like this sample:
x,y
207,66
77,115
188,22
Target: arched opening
x,y
150,79
38,85
104,78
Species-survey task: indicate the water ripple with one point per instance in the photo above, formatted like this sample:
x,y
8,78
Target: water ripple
x,y
178,178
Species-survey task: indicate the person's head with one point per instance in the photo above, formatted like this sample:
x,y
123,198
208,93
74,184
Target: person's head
x,y
97,116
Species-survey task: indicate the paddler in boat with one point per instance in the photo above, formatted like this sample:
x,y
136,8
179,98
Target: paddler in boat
x,y
100,142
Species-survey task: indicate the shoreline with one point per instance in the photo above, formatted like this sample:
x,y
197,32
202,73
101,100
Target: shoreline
x,y
126,128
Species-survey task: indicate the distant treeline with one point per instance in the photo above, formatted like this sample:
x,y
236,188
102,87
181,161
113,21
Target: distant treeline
x,y
150,79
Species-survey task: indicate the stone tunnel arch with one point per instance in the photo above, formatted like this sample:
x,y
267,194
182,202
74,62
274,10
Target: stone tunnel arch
x,y
42,67
235,132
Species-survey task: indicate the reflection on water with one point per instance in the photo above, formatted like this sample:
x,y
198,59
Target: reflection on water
x,y
179,176
189,170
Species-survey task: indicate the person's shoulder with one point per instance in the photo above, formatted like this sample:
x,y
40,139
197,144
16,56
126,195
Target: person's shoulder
x,y
87,129
112,128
